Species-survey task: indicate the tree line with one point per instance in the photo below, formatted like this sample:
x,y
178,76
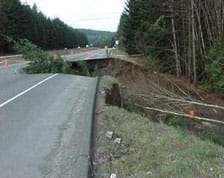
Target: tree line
x,y
182,37
20,21
99,38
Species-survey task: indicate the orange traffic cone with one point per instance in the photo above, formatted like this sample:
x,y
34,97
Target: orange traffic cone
x,y
6,64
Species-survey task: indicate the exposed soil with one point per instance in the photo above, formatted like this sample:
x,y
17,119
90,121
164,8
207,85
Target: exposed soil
x,y
154,89
141,87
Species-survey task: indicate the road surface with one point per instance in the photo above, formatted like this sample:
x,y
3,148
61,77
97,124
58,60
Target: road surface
x,y
89,55
10,57
82,56
45,124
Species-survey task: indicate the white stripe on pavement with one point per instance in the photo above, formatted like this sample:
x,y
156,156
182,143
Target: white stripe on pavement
x,y
4,57
27,90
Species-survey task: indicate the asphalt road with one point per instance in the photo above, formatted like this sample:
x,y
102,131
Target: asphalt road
x,y
11,56
81,56
45,124
89,55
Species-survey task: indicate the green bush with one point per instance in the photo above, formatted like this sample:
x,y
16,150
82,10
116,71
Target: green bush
x,y
40,61
176,121
86,69
215,68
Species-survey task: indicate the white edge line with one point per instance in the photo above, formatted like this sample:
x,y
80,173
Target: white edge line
x,y
5,57
27,90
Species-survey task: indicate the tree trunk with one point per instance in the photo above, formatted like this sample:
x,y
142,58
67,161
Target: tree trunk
x,y
178,67
193,43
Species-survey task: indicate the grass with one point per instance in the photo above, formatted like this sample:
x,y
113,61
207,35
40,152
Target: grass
x,y
154,150
119,54
135,59
157,149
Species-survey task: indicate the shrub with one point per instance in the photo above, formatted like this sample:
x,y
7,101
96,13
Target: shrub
x,y
85,69
40,61
176,121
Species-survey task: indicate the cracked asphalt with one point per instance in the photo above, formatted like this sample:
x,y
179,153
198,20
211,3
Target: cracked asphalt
x,y
89,55
46,131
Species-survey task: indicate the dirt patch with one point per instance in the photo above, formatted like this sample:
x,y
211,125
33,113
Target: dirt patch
x,y
149,88
140,87
157,90
113,96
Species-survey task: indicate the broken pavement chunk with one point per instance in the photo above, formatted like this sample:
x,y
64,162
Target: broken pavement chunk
x,y
117,141
113,176
109,134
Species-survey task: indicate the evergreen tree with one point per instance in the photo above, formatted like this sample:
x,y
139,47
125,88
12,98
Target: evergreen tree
x,y
137,22
132,11
3,24
177,34
20,21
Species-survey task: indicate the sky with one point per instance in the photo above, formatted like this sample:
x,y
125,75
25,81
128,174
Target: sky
x,y
89,14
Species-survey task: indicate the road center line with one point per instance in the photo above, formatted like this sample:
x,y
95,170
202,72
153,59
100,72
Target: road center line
x,y
27,90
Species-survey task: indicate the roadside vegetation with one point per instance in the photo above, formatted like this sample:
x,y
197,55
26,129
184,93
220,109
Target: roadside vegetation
x,y
40,61
183,38
85,69
150,149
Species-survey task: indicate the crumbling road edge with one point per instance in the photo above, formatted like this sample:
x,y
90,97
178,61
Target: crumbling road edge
x,y
92,133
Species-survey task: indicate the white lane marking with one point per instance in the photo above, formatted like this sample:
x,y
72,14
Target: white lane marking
x,y
13,56
27,90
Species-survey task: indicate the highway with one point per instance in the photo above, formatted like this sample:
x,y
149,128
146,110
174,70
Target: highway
x,y
89,55
45,124
80,56
12,56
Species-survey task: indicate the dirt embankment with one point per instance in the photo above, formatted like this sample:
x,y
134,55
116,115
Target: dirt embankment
x,y
164,91
142,88
145,149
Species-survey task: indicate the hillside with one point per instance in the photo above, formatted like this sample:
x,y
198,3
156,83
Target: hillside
x,y
20,21
99,38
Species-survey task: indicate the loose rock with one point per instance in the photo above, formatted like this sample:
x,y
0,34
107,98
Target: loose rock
x,y
109,134
149,173
117,141
113,176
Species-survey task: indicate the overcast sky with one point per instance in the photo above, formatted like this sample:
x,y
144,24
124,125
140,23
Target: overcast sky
x,y
91,14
